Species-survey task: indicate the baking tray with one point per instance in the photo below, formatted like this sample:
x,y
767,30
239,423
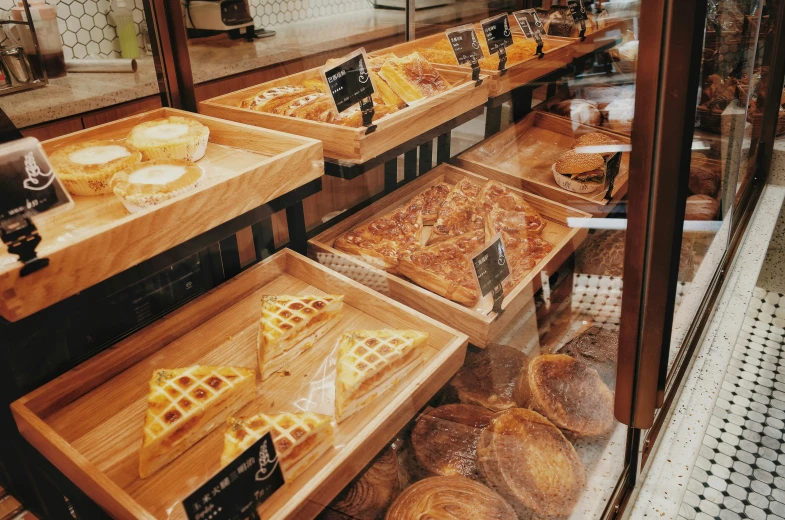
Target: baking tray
x,y
523,154
245,167
480,327
353,144
89,421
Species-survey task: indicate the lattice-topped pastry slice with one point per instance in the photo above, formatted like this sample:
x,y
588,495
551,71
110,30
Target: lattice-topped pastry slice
x,y
372,361
184,405
290,325
299,438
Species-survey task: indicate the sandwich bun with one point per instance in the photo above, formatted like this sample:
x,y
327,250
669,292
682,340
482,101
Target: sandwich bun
x,y
596,139
573,163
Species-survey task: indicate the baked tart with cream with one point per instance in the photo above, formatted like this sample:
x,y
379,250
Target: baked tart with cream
x,y
173,137
87,168
153,182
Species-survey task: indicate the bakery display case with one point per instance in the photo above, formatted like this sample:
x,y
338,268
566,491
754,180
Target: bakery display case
x,y
368,263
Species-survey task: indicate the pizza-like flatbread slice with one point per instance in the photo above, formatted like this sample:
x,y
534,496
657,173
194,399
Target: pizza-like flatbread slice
x,y
299,438
370,362
381,241
445,268
434,198
497,195
184,405
524,249
458,214
290,325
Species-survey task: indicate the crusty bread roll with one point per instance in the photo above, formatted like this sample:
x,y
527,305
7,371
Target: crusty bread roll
x,y
598,348
449,498
530,463
487,377
701,207
704,181
368,496
579,110
445,439
569,393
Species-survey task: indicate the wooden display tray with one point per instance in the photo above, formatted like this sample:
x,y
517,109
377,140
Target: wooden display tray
x,y
245,167
481,328
353,144
89,421
552,135
597,39
518,73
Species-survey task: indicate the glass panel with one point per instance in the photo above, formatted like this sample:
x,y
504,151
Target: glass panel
x,y
555,345
86,50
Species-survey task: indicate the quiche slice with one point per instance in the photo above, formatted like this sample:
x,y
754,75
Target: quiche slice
x,y
370,362
290,325
184,405
299,438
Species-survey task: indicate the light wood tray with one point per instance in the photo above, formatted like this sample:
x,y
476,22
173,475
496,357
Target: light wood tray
x,y
481,328
89,421
245,167
353,144
518,73
523,155
598,38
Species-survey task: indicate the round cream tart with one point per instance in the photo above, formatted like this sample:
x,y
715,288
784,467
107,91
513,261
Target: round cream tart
x,y
173,137
87,168
153,182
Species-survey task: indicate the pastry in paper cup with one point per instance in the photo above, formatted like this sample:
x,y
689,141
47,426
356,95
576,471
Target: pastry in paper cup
x,y
173,137
153,182
87,168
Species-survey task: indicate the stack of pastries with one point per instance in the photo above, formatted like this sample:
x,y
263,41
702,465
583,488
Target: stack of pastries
x,y
397,82
462,219
521,50
155,163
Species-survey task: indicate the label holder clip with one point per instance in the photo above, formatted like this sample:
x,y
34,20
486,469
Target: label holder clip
x,y
366,106
22,238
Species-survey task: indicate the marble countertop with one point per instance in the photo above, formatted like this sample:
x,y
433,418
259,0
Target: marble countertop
x,y
79,92
215,58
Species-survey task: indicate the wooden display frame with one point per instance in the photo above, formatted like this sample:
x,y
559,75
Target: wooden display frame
x,y
481,328
518,73
353,144
89,421
245,167
540,181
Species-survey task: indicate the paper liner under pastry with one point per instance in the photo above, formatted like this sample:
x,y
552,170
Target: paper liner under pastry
x,y
137,204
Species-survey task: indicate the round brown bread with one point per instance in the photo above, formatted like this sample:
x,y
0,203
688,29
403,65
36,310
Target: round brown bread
x,y
569,393
371,493
701,207
704,181
488,376
445,439
530,463
449,498
572,162
595,139
598,348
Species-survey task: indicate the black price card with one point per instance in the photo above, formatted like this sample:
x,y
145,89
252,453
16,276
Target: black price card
x,y
530,24
236,491
349,81
497,33
28,185
578,10
465,44
491,269
612,167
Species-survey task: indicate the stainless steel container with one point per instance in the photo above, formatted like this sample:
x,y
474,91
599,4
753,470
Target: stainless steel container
x,y
16,63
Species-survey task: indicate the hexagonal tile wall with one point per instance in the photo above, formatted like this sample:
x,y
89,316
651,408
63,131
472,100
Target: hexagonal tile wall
x,y
86,27
272,13
740,472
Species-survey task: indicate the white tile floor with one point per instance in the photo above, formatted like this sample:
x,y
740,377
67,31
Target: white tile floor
x,y
740,472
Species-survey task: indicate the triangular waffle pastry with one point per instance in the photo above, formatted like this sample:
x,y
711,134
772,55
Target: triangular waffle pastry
x,y
299,438
184,405
370,362
290,325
